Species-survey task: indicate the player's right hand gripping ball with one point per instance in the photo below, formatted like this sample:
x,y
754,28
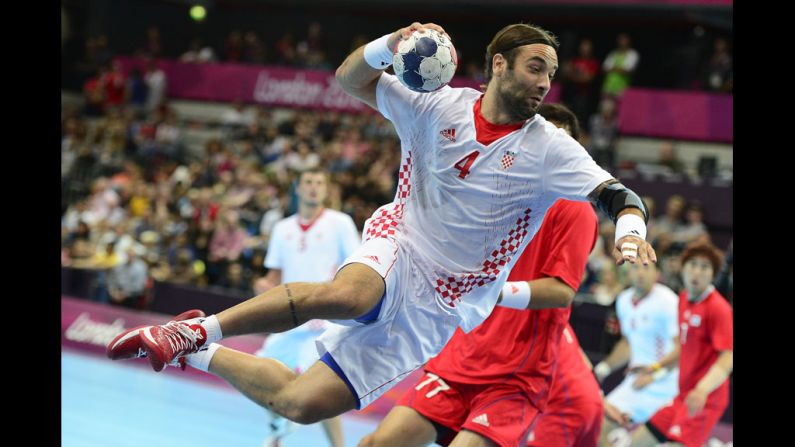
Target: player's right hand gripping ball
x,y
426,61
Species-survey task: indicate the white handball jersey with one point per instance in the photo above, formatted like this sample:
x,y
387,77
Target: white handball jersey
x,y
463,211
649,325
312,252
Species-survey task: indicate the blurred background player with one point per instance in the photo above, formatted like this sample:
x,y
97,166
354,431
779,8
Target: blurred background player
x,y
307,246
706,337
492,396
647,317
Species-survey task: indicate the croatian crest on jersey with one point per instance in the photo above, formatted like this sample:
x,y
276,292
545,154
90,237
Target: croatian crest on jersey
x,y
507,160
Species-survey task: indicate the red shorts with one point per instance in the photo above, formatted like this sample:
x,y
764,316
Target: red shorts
x,y
501,412
673,422
575,424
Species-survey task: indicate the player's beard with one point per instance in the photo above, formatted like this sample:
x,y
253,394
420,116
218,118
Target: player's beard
x,y
514,99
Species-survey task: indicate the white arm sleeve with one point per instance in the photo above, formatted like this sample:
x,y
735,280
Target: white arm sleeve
x,y
403,107
571,173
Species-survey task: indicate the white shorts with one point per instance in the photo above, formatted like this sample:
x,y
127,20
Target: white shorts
x,y
411,326
643,403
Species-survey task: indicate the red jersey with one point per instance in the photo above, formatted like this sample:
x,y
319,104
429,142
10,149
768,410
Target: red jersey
x,y
521,345
705,329
574,382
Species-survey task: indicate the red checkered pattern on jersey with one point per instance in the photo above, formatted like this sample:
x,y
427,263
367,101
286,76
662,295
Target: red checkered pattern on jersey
x,y
384,224
452,288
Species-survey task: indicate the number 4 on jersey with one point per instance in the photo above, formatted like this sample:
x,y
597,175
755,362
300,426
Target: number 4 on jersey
x,y
464,163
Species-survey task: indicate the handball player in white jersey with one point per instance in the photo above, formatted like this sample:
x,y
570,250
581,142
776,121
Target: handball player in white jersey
x,y
307,246
434,259
647,315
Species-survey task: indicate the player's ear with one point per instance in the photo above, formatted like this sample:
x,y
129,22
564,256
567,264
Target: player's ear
x,y
498,64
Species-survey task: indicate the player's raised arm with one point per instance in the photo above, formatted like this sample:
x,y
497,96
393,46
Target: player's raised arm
x,y
358,75
630,215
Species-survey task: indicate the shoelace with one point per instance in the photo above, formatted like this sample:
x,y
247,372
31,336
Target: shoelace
x,y
184,344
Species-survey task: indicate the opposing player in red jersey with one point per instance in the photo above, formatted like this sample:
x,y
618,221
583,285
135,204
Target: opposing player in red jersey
x,y
573,416
706,357
488,386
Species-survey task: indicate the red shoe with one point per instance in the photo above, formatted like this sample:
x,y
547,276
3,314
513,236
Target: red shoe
x,y
165,344
127,345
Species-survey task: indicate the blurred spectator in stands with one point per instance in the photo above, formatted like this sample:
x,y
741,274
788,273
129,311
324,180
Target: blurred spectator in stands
x,y
237,280
719,71
579,75
661,235
285,50
198,53
302,158
233,47
87,66
619,66
156,84
668,157
94,94
185,269
102,258
253,49
237,116
688,59
103,52
168,136
603,128
103,202
152,47
114,85
127,282
694,227
310,52
137,91
226,244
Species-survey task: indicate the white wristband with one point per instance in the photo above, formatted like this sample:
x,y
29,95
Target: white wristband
x,y
601,370
630,225
516,295
378,54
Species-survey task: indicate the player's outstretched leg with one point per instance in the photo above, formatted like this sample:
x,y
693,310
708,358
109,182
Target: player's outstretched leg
x,y
317,394
354,291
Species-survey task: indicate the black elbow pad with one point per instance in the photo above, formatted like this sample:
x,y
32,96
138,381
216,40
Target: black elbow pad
x,y
616,197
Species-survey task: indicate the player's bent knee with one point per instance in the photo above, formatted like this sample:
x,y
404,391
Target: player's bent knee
x,y
307,409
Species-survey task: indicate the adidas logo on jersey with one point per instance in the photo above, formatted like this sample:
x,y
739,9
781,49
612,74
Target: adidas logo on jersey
x,y
482,420
374,258
449,134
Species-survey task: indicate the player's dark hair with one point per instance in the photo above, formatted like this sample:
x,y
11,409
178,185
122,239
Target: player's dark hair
x,y
508,39
560,113
706,250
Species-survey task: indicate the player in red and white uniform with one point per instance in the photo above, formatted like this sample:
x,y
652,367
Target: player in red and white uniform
x,y
488,386
706,357
307,246
647,314
573,416
434,259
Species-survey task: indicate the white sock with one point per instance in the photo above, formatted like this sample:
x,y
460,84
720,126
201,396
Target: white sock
x,y
201,360
211,325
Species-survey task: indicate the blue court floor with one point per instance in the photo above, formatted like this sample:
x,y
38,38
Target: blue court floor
x,y
113,404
